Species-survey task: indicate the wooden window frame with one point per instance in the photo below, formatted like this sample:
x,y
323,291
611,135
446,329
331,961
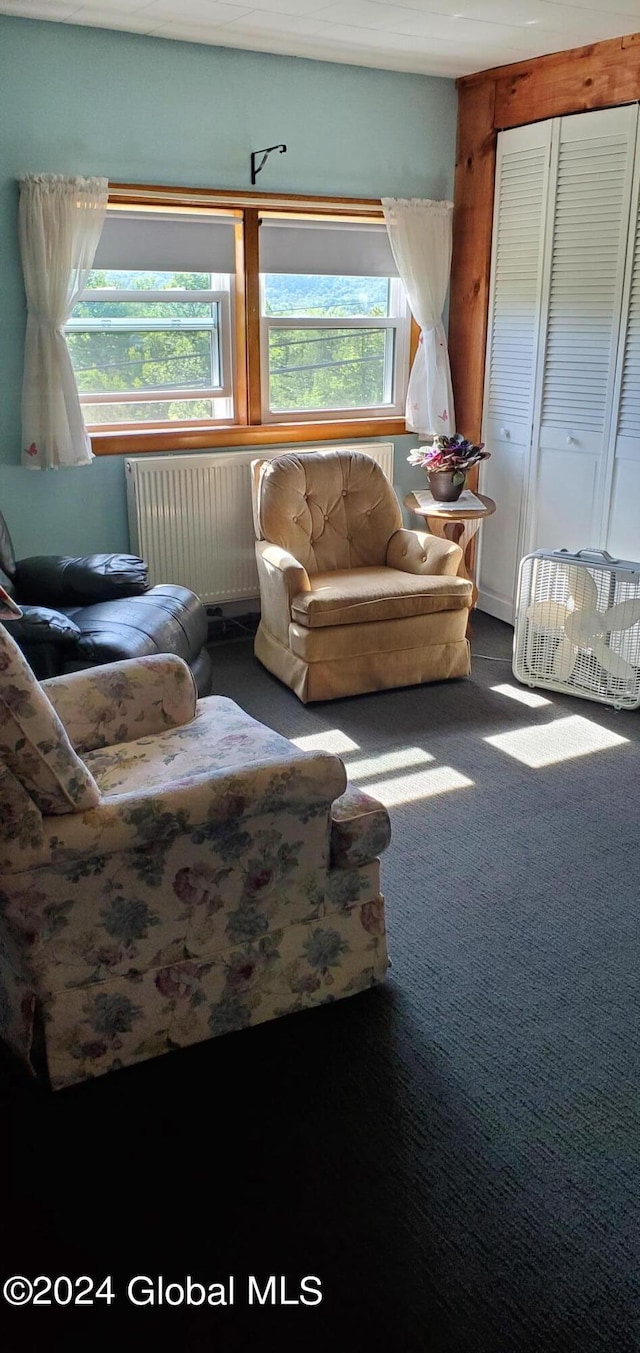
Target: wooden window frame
x,y
248,428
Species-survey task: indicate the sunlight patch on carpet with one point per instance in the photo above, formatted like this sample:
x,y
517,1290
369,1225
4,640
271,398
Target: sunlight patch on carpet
x,y
405,758
330,740
422,784
551,743
518,693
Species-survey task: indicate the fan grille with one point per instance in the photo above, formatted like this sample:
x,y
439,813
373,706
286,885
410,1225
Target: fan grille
x,y
559,622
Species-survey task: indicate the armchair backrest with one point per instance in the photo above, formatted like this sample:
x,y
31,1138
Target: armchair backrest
x,y
329,509
34,746
7,557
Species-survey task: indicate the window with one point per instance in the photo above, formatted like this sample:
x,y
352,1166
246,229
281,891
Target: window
x,y
204,325
334,320
151,345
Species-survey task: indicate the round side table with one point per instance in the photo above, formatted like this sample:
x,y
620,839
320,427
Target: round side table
x,y
453,523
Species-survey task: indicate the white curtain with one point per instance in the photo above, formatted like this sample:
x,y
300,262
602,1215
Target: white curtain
x,y
59,221
420,234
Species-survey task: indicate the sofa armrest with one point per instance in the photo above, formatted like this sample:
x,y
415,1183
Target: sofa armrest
x,y
41,625
281,578
48,639
360,829
60,580
420,552
123,700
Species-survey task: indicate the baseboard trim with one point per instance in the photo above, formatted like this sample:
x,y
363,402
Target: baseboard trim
x,y
501,608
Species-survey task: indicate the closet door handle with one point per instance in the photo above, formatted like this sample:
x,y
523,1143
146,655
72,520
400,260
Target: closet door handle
x,y
572,441
504,432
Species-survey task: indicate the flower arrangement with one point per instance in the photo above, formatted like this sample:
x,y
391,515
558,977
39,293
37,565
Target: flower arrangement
x,y
449,453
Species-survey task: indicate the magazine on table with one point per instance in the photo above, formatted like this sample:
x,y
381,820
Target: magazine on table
x,y
467,502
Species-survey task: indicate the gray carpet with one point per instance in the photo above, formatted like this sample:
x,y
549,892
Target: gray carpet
x,y
455,1153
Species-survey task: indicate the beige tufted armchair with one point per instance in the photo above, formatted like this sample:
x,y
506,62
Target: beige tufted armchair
x,y
351,601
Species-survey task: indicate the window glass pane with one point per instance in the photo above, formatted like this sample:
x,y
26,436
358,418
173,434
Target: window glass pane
x,y
149,281
104,311
318,297
158,411
329,368
148,361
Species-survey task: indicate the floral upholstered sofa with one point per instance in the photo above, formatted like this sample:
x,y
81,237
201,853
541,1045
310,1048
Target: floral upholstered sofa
x,y
170,869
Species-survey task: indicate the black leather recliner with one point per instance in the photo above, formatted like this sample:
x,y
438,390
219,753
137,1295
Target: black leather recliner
x,y
83,612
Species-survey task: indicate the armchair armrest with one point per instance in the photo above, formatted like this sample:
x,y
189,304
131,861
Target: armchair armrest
x,y
123,700
360,829
282,577
59,580
420,552
201,807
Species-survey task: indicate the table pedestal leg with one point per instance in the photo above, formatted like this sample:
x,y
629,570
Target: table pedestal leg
x,y
462,534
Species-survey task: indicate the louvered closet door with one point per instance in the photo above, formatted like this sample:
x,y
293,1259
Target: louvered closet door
x,y
592,168
522,171
622,530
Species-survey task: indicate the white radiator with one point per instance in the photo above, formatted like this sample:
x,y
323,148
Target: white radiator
x,y
190,517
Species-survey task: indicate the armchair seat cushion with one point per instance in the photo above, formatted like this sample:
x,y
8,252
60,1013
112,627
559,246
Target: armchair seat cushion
x,y
361,595
220,736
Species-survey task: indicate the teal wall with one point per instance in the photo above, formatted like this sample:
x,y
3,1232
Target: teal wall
x,y
92,101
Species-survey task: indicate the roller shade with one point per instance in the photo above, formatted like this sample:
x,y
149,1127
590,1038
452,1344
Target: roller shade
x,y
166,242
334,248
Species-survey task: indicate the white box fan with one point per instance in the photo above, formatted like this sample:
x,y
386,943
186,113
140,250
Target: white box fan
x,y
577,625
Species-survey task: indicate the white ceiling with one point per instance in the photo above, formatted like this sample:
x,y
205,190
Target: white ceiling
x,y
431,37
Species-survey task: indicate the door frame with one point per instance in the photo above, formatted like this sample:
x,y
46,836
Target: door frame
x,y
601,75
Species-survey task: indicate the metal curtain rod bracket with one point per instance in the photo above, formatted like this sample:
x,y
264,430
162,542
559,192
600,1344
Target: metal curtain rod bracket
x,y
265,155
